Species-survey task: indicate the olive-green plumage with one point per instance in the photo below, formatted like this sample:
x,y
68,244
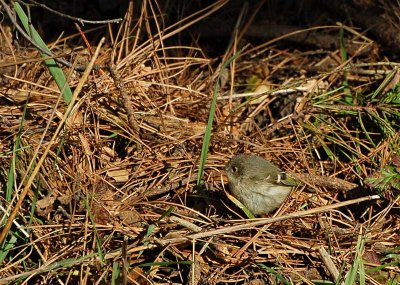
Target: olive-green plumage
x,y
257,183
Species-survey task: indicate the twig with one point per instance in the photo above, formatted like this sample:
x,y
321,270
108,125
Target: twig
x,y
332,183
125,99
274,93
329,263
29,39
263,222
80,20
245,226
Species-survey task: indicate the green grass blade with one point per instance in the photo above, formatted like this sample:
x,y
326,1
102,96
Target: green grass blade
x,y
55,71
14,159
11,243
358,263
384,83
98,239
207,135
276,274
115,273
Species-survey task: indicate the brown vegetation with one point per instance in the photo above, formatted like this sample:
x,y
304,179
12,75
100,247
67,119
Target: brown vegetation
x,y
116,176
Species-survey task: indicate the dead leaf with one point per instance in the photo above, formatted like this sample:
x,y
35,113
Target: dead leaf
x,y
129,217
119,175
45,205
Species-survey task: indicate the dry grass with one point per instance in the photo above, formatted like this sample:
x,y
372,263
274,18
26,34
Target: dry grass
x,y
117,192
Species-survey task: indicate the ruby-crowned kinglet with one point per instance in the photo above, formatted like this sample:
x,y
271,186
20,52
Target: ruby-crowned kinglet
x,y
257,183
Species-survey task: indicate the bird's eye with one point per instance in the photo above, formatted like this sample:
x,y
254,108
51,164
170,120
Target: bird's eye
x,y
234,169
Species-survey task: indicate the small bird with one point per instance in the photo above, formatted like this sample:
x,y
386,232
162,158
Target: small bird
x,y
257,183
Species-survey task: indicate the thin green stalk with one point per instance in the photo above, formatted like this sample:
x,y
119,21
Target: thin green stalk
x,y
207,135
